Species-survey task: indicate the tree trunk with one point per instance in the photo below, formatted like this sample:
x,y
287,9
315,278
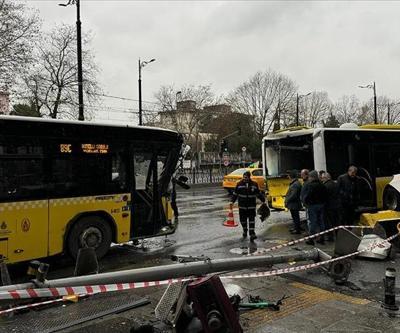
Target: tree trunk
x,y
56,103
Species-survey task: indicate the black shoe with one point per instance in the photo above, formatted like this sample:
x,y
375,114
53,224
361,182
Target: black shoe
x,y
310,242
295,232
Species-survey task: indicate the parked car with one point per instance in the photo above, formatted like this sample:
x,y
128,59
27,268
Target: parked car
x,y
230,180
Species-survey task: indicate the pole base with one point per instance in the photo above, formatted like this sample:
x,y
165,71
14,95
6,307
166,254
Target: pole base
x,y
390,307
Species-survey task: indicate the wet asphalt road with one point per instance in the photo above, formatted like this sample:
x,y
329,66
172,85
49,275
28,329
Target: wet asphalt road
x,y
202,211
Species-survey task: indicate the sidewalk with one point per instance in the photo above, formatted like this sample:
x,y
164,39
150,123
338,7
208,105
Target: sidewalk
x,y
312,309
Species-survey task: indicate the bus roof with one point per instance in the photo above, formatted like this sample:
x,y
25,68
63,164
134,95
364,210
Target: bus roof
x,y
31,126
299,131
77,122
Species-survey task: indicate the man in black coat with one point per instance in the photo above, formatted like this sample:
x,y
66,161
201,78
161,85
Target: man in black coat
x,y
332,216
349,192
247,192
292,201
314,198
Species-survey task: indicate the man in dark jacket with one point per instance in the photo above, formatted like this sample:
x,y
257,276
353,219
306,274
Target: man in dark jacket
x,y
332,214
314,198
292,201
349,193
247,191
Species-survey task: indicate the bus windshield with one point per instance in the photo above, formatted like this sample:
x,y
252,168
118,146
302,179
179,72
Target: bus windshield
x,y
285,154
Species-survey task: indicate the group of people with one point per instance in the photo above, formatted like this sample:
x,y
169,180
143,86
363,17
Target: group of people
x,y
328,203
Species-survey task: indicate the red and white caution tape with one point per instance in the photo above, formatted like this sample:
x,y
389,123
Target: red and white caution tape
x,y
82,290
33,305
280,246
90,290
309,266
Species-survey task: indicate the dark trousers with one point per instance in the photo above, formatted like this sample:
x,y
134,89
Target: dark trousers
x,y
247,215
296,219
332,218
173,202
316,218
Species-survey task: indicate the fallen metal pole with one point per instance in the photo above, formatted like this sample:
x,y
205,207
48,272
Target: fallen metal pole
x,y
176,270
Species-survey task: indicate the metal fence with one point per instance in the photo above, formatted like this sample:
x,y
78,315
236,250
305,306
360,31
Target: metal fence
x,y
205,175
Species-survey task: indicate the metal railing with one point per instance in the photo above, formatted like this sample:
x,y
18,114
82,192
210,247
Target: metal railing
x,y
205,175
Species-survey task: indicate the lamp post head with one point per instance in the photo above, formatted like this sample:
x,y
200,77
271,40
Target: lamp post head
x,y
70,2
144,63
369,86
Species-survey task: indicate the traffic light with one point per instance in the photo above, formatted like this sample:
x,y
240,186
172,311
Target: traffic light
x,y
223,147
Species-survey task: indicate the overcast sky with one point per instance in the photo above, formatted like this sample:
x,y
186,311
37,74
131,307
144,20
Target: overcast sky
x,y
331,46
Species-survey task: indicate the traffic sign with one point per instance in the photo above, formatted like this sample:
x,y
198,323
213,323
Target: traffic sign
x,y
226,163
243,149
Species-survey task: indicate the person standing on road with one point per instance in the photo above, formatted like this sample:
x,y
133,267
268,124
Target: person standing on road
x,y
247,192
292,201
314,198
332,210
304,174
349,193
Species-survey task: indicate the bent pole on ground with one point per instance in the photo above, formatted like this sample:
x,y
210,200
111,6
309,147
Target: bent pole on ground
x,y
181,270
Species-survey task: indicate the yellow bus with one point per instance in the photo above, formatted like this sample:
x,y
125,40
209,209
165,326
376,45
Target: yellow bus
x,y
68,184
374,149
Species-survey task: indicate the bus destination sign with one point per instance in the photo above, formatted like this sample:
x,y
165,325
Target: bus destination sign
x,y
88,148
95,148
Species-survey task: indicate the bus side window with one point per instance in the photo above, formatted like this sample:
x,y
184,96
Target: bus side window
x,y
21,179
387,160
21,172
141,169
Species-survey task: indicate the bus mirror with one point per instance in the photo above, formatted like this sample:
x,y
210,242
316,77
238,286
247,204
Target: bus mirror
x,y
183,179
185,150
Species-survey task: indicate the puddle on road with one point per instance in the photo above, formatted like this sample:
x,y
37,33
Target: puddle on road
x,y
246,249
148,245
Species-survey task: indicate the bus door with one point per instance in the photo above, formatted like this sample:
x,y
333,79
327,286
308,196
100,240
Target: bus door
x,y
147,213
23,202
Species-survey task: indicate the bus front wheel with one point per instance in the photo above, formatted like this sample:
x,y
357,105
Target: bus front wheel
x,y
89,231
391,199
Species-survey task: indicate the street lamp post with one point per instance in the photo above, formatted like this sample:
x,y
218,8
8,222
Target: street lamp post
x,y
297,106
388,110
178,93
141,65
372,86
79,55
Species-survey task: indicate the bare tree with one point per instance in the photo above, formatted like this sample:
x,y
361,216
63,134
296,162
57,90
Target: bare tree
x,y
52,84
347,109
315,108
19,29
266,96
385,107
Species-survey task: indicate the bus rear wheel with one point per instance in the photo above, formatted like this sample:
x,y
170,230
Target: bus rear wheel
x,y
391,199
89,231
